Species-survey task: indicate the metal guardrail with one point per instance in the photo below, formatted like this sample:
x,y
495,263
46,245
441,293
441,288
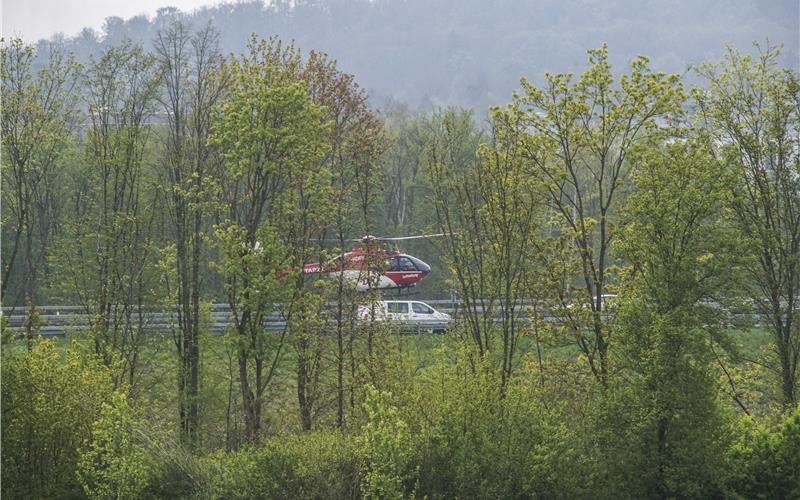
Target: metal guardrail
x,y
57,321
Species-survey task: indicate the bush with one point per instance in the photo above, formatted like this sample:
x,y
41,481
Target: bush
x,y
386,447
128,457
765,462
48,405
321,464
115,463
471,440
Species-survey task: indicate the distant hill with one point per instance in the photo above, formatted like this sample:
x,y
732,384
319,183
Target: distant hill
x,y
472,52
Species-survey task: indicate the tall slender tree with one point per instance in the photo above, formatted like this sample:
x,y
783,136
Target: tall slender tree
x,y
452,165
105,258
580,135
357,142
39,112
269,132
752,106
489,210
193,84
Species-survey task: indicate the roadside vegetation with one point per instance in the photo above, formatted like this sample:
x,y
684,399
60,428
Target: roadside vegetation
x,y
651,230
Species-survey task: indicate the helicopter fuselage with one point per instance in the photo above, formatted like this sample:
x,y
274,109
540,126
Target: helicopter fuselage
x,y
373,268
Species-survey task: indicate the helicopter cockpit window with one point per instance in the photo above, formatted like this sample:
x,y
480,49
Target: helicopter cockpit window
x,y
401,264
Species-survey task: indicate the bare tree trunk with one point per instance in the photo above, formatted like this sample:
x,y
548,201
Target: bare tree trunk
x,y
189,63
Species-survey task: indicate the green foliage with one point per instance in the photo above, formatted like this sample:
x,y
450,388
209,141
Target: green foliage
x,y
681,252
448,434
404,181
765,460
269,125
104,259
49,404
252,267
750,106
115,464
576,139
252,270
320,464
39,108
129,457
489,209
469,441
272,138
385,444
584,186
6,334
677,236
664,416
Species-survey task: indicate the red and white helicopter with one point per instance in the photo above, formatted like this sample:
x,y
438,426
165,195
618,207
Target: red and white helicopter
x,y
370,265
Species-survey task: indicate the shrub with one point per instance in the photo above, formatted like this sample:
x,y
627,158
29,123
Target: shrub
x,y
472,440
128,457
321,464
115,463
765,461
48,406
386,447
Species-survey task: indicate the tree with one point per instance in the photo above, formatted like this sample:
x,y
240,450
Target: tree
x,y
357,142
451,163
105,258
578,144
193,85
38,116
402,164
269,132
305,209
682,254
753,109
487,206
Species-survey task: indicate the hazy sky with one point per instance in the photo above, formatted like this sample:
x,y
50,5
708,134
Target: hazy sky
x,y
35,19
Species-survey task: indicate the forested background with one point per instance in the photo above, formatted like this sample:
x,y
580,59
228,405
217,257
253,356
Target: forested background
x,y
621,236
472,53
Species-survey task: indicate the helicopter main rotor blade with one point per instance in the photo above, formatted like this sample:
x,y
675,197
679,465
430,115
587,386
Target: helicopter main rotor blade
x,y
336,240
417,237
368,238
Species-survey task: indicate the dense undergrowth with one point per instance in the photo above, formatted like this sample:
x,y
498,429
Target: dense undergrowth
x,y
445,431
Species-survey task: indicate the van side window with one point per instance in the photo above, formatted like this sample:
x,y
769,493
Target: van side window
x,y
422,308
397,307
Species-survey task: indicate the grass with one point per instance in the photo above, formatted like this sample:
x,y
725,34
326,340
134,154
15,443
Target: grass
x,y
156,386
750,340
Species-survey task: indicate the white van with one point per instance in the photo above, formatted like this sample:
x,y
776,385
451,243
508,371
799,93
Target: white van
x,y
410,315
